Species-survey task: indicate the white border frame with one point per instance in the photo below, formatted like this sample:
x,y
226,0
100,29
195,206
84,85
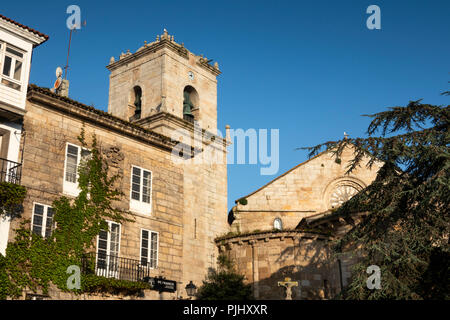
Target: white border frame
x,y
107,273
13,65
140,206
71,188
148,249
44,218
24,59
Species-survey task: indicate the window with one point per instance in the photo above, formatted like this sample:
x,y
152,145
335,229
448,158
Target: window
x,y
277,224
71,163
73,156
190,104
108,246
141,190
149,248
11,60
42,221
136,103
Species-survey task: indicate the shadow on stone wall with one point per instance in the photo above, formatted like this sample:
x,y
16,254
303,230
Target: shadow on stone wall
x,y
313,265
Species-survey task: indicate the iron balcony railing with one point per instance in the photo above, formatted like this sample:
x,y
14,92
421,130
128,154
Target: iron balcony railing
x,y
115,267
10,171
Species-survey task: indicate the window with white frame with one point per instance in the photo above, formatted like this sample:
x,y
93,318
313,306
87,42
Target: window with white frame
x,y
141,190
42,220
11,62
108,246
149,248
74,155
277,224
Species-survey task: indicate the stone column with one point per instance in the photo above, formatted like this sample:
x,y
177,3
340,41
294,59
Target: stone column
x,y
255,268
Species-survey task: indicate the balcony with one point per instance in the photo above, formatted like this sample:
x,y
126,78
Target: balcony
x,y
10,171
119,268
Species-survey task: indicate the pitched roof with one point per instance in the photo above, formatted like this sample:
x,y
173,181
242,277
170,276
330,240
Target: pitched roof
x,y
25,27
290,170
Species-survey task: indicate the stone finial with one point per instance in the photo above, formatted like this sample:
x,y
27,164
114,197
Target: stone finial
x,y
112,60
157,38
165,35
216,65
145,43
345,136
122,55
128,52
227,134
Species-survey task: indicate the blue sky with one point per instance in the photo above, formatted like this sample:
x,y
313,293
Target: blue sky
x,y
307,68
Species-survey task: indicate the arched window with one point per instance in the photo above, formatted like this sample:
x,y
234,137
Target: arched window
x,y
135,104
277,224
190,104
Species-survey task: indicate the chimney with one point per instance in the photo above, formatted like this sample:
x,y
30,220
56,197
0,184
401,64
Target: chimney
x,y
61,86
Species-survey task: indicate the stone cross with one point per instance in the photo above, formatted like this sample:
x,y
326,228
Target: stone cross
x,y
288,284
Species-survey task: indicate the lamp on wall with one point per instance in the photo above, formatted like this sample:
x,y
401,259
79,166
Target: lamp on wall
x,y
191,289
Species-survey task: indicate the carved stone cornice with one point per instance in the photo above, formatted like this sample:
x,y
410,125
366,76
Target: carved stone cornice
x,y
165,41
295,235
178,122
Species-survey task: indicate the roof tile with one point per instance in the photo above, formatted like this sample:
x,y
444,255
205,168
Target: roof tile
x,y
25,27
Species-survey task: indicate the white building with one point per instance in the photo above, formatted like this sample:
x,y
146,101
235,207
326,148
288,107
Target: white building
x,y
17,42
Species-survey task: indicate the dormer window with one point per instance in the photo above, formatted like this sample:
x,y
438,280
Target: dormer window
x,y
11,65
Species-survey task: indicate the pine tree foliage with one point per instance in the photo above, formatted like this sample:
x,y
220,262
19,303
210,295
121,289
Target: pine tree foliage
x,y
406,232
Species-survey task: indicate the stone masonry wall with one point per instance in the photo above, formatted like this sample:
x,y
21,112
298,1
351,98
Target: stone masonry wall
x,y
47,133
162,76
301,192
266,258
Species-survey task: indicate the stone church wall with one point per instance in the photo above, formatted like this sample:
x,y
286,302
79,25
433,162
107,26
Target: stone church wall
x,y
305,190
267,258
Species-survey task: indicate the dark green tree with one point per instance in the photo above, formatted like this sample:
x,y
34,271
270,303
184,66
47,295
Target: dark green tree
x,y
225,283
406,232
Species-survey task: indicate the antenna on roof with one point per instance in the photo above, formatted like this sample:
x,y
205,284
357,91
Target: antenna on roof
x,y
74,27
61,86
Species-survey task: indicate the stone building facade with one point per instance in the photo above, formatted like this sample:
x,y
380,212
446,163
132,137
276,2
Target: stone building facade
x,y
284,228
17,43
178,206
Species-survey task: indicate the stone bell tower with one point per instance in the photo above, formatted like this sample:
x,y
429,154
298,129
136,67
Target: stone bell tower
x,y
165,88
162,86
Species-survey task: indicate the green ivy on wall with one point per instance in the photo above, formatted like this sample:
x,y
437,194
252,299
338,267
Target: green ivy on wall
x,y
11,195
33,262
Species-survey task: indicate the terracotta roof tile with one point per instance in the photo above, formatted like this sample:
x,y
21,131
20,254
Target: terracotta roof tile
x,y
25,27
